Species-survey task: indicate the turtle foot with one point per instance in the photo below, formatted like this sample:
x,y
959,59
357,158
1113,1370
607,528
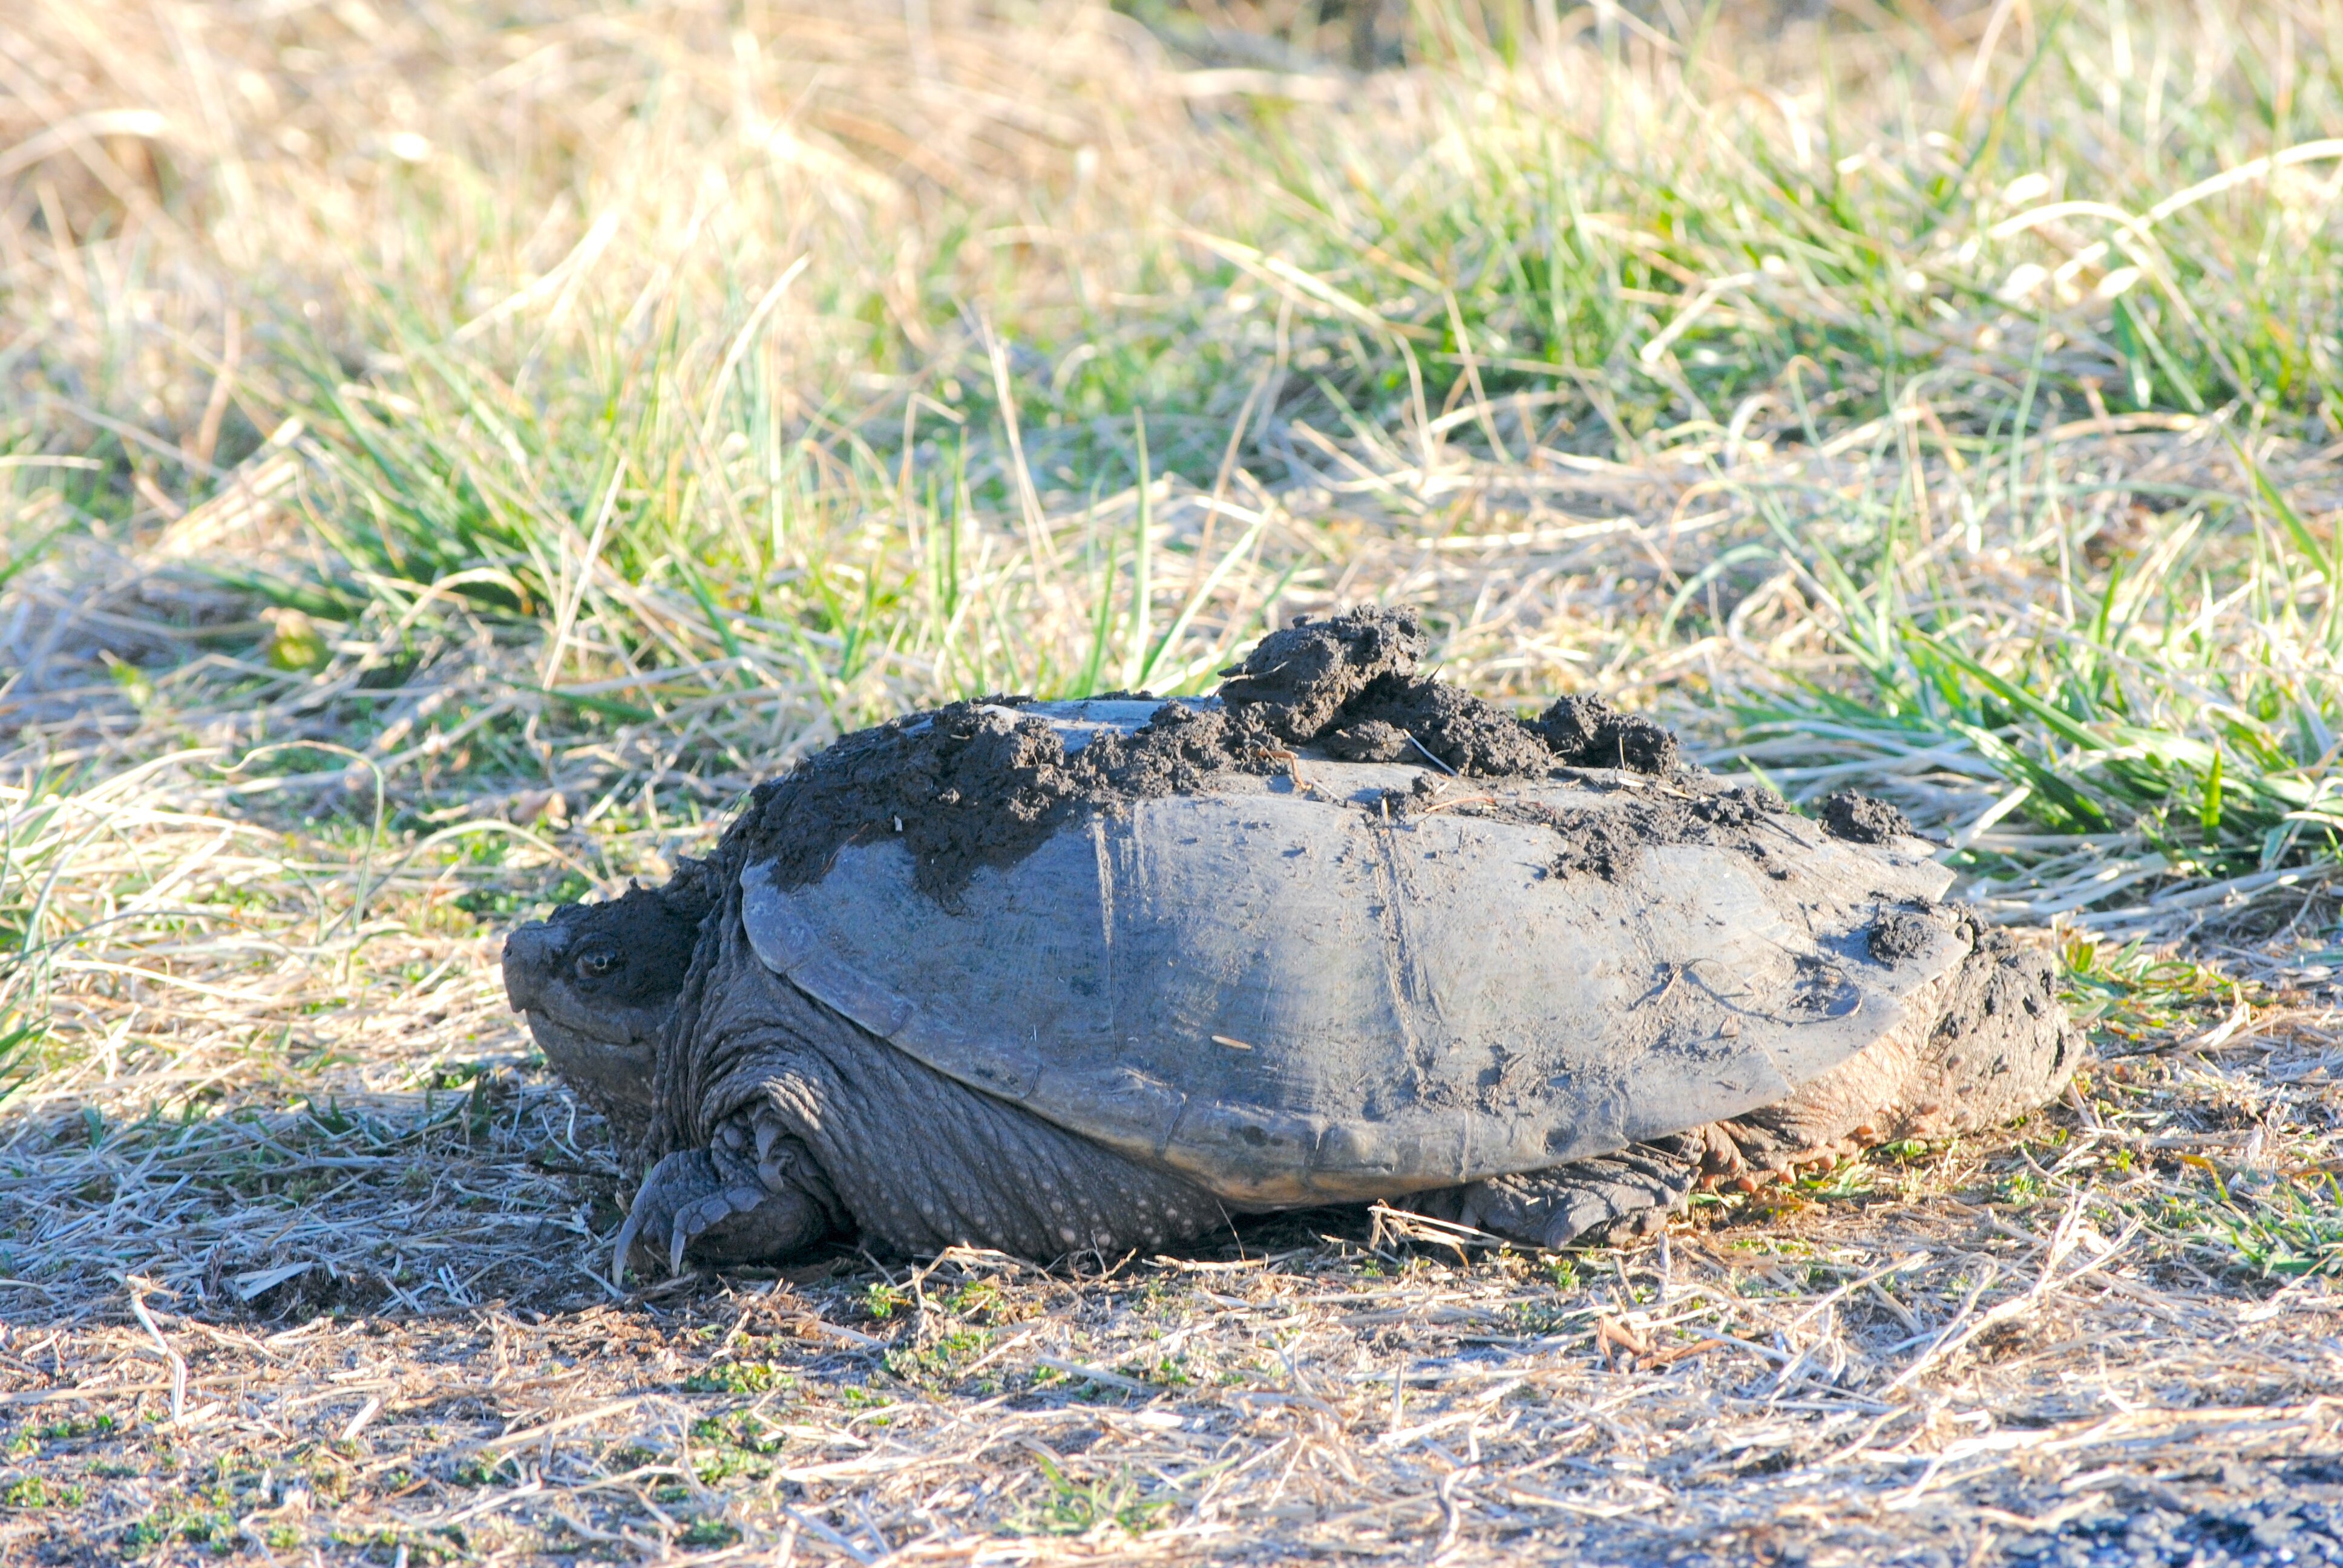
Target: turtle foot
x,y
685,1194
1611,1201
725,1207
1740,1157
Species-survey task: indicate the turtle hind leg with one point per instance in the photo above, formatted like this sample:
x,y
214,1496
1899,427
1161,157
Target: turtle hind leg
x,y
1985,1045
1608,1201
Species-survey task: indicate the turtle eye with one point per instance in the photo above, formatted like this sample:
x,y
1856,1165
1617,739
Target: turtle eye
x,y
596,962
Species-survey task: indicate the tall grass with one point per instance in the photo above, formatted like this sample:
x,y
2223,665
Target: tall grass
x,y
2144,732
614,402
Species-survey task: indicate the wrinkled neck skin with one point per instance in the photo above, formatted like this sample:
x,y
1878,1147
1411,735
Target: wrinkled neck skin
x,y
733,1028
613,1077
686,1064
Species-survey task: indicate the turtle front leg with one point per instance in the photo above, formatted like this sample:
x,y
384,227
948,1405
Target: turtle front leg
x,y
1607,1200
919,1161
751,1196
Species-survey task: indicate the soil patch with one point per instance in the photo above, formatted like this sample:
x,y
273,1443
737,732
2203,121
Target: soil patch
x,y
1598,843
1609,843
981,784
1588,732
1860,820
1899,935
984,783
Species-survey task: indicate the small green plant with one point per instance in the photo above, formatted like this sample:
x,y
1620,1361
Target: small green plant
x,y
975,1299
477,1472
938,1357
721,1463
2292,1231
746,1432
2019,1188
31,1492
2134,994
1071,1507
1846,1179
738,1377
708,1533
214,1529
1163,1371
1544,1317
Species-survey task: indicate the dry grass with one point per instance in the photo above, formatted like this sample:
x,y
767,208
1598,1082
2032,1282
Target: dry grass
x,y
1972,1351
529,519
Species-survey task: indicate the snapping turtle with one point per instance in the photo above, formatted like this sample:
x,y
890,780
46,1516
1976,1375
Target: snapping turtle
x,y
1055,977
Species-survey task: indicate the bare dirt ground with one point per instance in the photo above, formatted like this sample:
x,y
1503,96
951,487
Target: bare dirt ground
x,y
2042,1350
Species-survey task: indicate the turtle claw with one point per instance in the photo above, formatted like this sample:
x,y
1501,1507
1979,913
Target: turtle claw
x,y
708,1211
651,1216
683,1195
717,1196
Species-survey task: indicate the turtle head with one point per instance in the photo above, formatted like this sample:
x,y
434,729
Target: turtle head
x,y
597,982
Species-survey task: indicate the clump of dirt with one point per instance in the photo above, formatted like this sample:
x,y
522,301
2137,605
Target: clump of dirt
x,y
1399,718
1860,820
1588,732
1370,740
1739,807
982,783
1348,683
1298,679
1899,935
1606,844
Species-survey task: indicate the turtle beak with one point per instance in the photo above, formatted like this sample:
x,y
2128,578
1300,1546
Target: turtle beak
x,y
532,956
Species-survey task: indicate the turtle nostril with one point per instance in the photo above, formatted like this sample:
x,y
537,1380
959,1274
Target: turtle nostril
x,y
530,954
